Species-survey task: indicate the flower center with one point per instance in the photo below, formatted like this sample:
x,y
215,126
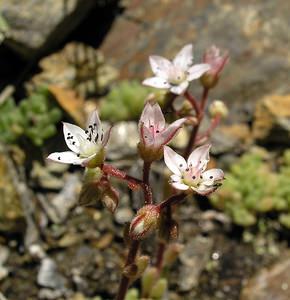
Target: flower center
x,y
191,177
176,77
88,148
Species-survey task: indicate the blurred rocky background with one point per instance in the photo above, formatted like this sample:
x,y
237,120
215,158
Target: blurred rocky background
x,y
62,58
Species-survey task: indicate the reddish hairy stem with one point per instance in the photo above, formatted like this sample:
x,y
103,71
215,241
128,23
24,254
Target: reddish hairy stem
x,y
172,200
146,188
160,254
214,123
195,129
124,283
132,181
193,102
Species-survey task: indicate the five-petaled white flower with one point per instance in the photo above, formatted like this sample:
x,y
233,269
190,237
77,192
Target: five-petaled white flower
x,y
153,130
191,174
177,74
85,145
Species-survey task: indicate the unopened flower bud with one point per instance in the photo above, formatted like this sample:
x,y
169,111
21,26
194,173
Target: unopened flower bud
x,y
148,280
218,108
110,198
217,61
130,271
159,289
145,222
168,229
171,253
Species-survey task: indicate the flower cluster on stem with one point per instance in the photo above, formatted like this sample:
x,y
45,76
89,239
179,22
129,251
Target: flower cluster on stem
x,y
189,172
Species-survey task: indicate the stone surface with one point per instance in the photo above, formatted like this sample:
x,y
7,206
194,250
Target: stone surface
x,y
269,284
29,34
11,213
193,258
77,66
272,120
254,32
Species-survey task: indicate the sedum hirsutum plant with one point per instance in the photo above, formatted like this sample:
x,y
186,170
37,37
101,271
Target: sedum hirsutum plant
x,y
87,148
124,102
32,118
253,189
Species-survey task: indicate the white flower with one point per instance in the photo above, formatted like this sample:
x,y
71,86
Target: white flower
x,y
177,74
191,174
84,144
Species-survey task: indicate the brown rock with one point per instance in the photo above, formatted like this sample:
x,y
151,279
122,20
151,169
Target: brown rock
x,y
269,284
272,120
250,30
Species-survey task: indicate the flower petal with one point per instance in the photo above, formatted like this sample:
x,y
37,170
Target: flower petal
x,y
212,176
157,82
174,161
180,186
199,157
204,190
146,136
211,180
160,66
179,89
184,58
106,136
158,118
94,130
152,115
167,135
197,71
67,157
71,135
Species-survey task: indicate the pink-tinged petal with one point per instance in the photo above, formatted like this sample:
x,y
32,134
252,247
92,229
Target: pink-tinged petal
x,y
160,66
158,118
199,157
107,136
197,71
204,190
212,176
94,127
179,89
67,157
211,180
184,58
176,178
146,136
71,135
157,82
180,186
168,134
174,161
145,116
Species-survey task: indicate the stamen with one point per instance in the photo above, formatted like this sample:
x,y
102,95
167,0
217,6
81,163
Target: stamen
x,y
210,177
193,177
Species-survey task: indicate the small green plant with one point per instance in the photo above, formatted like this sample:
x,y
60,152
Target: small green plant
x,y
253,189
32,118
124,102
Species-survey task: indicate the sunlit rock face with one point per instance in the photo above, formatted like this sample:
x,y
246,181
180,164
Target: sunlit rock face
x,y
254,33
29,34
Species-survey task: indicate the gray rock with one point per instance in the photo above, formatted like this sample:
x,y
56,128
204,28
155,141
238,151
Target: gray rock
x,y
37,25
193,258
269,284
48,275
254,32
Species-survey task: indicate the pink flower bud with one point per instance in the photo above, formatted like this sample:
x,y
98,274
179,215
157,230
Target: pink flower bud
x,y
154,133
217,62
144,222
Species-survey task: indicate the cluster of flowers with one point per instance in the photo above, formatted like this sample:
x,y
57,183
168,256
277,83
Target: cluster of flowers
x,y
189,173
